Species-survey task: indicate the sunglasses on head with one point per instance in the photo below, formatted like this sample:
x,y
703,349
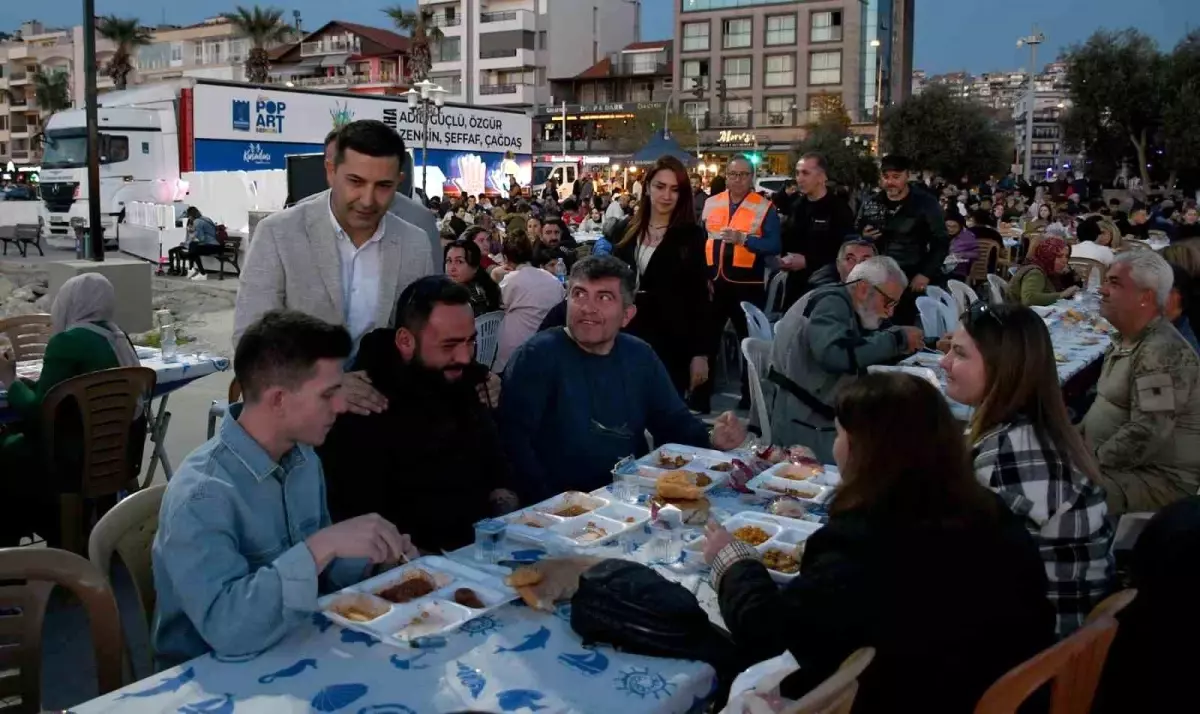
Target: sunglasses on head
x,y
980,309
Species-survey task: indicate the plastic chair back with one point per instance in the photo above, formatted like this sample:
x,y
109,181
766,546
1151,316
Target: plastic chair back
x,y
487,337
997,289
128,531
758,357
836,694
939,294
757,324
931,316
963,294
39,570
28,334
776,293
1073,666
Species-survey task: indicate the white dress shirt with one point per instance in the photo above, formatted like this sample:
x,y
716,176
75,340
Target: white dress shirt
x,y
360,279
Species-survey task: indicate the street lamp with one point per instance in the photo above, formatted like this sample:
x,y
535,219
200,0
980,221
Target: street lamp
x,y
426,99
878,95
1033,41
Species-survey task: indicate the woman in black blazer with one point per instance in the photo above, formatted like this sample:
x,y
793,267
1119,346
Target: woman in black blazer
x,y
664,246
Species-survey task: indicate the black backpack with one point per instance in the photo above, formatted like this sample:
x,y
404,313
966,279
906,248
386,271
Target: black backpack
x,y
634,609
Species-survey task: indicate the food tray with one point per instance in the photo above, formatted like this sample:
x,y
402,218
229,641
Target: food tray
x,y
786,534
431,614
767,484
700,461
829,477
614,517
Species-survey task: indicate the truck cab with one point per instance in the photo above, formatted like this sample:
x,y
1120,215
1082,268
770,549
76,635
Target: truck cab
x,y
564,173
139,161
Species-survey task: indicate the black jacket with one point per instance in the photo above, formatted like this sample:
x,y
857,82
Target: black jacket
x,y
427,464
948,611
914,232
672,299
816,230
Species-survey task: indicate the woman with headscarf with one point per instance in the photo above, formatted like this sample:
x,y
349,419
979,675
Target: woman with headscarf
x,y
84,339
1045,278
964,246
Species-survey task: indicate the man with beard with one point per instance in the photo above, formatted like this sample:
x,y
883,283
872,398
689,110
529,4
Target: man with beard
x,y
907,225
433,459
830,339
579,398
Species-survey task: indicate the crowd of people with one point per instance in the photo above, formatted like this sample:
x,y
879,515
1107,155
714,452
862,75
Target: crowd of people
x,y
365,412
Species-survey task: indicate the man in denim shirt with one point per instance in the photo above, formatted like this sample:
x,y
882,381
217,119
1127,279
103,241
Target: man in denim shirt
x,y
244,531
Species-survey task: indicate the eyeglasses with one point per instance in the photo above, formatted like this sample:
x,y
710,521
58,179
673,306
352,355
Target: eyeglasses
x,y
980,309
889,302
737,174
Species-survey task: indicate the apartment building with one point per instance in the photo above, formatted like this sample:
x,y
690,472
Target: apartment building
x,y
499,53
35,48
636,79
781,61
1046,147
345,56
212,49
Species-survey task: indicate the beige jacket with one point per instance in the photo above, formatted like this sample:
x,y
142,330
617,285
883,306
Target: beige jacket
x,y
293,264
1145,422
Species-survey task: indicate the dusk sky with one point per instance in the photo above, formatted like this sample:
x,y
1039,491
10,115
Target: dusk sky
x,y
974,35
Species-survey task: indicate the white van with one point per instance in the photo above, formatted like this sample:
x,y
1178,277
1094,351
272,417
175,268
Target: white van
x,y
564,173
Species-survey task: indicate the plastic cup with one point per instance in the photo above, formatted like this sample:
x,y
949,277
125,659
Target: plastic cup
x,y
489,534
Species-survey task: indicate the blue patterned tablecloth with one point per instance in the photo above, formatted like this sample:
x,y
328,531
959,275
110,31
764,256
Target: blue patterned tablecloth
x,y
171,375
513,659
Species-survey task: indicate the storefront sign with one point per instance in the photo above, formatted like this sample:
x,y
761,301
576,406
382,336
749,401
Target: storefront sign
x,y
733,137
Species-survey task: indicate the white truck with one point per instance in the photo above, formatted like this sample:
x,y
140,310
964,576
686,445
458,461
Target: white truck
x,y
156,139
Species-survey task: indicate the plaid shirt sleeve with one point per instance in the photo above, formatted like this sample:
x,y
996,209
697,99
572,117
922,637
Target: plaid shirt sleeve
x,y
730,554
1062,508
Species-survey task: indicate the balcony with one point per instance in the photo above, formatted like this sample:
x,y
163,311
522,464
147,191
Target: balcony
x,y
20,132
345,80
734,120
330,46
18,78
640,64
20,154
507,21
493,95
445,23
506,59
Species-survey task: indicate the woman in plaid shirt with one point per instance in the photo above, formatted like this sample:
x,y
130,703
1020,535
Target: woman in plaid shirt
x,y
1025,449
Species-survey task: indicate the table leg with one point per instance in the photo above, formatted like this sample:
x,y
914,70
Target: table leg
x,y
158,432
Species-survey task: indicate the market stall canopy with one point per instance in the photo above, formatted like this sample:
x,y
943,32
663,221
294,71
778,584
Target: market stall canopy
x,y
661,146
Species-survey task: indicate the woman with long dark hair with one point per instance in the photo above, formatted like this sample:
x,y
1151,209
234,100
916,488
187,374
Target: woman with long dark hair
x,y
464,265
1001,362
664,246
918,560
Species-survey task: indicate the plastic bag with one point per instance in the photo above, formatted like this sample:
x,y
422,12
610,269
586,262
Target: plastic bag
x,y
756,691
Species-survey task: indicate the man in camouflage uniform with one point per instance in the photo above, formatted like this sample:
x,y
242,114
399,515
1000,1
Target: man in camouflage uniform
x,y
1145,422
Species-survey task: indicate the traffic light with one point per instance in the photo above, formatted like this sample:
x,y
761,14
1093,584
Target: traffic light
x,y
698,87
754,158
722,90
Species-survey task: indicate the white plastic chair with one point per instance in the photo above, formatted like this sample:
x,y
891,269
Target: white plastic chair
x,y
963,294
998,287
931,316
487,337
757,324
949,314
939,294
776,292
758,357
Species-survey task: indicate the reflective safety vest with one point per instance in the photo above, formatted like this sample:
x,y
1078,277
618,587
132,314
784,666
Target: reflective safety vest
x,y
726,261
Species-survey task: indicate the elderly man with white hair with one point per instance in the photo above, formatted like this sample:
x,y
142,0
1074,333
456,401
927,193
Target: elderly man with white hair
x,y
828,339
1145,422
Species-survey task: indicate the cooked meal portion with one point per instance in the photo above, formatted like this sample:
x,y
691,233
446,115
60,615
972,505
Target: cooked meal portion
x,y
672,461
695,511
701,480
723,466
468,598
752,535
797,492
572,511
589,533
358,609
800,472
781,562
530,521
408,590
679,485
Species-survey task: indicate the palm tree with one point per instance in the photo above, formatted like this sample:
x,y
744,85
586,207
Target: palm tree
x,y
265,29
127,34
420,27
53,91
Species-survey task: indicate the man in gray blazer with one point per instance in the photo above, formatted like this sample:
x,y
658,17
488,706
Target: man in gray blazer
x,y
341,257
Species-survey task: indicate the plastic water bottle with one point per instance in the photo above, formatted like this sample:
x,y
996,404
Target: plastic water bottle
x,y
169,348
560,270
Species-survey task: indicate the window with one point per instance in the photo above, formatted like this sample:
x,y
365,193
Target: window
x,y
4,122
737,113
781,30
447,49
737,33
826,27
199,54
4,147
114,148
825,68
695,112
641,91
695,36
695,70
541,40
643,63
176,54
779,110
781,71
737,73
587,94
